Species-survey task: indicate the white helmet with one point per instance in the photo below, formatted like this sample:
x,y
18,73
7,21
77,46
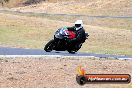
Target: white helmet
x,y
79,24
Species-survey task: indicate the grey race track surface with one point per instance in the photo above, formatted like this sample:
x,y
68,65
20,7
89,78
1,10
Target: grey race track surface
x,y
20,51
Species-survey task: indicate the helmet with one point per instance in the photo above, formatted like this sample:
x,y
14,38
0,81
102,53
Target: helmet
x,y
78,24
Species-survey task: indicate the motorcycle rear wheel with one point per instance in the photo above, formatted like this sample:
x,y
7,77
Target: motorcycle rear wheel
x,y
75,49
49,46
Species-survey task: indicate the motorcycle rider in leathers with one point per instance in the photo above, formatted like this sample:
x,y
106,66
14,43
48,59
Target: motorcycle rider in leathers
x,y
79,31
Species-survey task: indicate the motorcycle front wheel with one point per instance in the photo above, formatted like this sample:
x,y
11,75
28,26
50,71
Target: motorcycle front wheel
x,y
49,46
72,51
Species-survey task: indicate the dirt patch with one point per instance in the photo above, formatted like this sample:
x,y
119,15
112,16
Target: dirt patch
x,y
57,72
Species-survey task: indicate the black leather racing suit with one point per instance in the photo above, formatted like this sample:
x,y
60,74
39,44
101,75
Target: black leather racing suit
x,y
80,35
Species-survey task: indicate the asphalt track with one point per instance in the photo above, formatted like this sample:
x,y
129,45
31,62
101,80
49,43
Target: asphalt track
x,y
6,51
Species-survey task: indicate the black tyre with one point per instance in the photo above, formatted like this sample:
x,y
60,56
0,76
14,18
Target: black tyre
x,y
49,46
72,51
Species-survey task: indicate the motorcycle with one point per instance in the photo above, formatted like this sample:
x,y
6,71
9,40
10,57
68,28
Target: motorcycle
x,y
60,43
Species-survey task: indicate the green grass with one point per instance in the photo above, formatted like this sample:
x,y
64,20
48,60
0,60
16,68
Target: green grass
x,y
21,37
13,37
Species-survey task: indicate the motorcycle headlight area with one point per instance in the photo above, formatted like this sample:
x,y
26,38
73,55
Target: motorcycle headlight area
x,y
57,35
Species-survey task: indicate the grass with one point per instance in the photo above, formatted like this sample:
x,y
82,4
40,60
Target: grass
x,y
35,31
11,37
119,23
87,7
17,33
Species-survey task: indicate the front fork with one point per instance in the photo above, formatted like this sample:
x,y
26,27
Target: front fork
x,y
60,44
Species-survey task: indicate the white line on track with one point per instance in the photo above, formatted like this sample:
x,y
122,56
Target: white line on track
x,y
41,56
38,56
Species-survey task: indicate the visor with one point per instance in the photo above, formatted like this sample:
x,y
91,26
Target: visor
x,y
77,25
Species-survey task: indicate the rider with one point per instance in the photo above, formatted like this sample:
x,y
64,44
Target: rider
x,y
79,31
